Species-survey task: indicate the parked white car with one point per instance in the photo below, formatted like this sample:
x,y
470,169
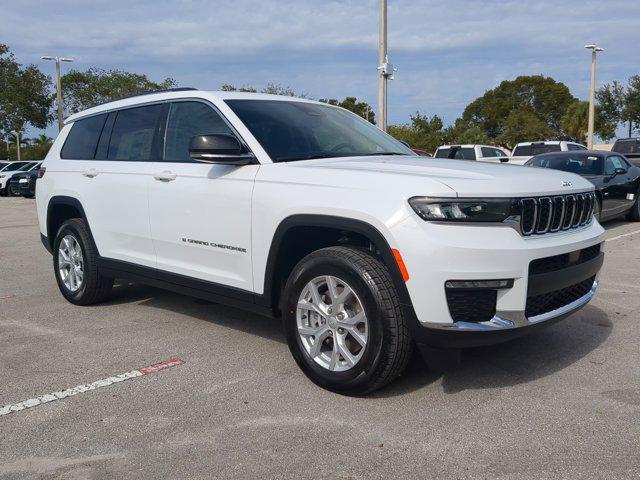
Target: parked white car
x,y
483,153
302,210
14,167
525,150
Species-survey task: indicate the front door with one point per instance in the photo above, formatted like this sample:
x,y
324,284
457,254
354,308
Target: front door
x,y
201,213
617,193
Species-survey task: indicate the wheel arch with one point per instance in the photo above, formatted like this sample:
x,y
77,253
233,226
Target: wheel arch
x,y
60,209
280,262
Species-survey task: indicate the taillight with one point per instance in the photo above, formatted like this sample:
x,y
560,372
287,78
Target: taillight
x,y
41,172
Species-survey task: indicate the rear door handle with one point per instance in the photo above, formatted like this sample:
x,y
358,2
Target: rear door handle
x,y
165,176
92,172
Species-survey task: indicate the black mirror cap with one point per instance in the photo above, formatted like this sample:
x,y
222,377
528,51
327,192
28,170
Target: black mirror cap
x,y
218,148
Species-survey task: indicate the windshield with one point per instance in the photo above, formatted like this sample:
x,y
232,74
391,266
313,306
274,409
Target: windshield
x,y
578,163
290,131
27,167
15,166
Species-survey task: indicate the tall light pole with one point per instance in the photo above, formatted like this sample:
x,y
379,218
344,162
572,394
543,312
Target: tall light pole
x,y
385,69
592,93
58,85
17,135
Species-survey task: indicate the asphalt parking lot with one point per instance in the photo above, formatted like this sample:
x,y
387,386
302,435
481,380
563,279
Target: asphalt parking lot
x,y
561,403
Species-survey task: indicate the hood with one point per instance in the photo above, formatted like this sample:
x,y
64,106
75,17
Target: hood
x,y
465,177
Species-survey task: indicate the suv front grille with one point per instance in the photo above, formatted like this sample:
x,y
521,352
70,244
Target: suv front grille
x,y
540,215
547,302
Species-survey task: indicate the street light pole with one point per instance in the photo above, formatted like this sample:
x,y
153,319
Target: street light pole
x,y
385,69
58,83
382,60
17,134
592,94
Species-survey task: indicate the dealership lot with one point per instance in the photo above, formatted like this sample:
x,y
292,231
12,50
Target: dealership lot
x,y
563,402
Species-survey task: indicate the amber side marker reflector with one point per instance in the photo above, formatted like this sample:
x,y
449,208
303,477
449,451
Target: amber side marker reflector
x,y
401,265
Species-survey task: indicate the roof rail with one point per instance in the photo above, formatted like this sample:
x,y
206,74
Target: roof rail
x,y
165,90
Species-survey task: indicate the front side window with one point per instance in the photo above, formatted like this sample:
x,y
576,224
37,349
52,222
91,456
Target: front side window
x,y
580,164
290,131
457,153
612,163
492,152
134,134
574,146
83,138
186,120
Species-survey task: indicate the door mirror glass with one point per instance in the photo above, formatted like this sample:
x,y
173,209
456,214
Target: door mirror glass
x,y
220,148
620,171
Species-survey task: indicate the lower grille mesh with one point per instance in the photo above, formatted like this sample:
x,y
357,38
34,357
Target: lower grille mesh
x,y
547,302
471,305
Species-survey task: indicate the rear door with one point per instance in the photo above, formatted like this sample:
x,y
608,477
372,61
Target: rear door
x,y
201,213
113,176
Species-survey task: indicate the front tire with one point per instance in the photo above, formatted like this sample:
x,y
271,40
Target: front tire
x,y
75,260
343,321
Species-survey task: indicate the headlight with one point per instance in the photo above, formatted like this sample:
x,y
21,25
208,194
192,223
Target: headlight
x,y
463,209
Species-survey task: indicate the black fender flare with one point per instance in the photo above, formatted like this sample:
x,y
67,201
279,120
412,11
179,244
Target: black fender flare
x,y
340,223
62,200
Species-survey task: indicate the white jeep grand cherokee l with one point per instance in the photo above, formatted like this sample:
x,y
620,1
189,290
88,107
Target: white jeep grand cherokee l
x,y
298,209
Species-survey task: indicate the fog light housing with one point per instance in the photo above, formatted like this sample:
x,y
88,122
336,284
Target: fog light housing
x,y
479,284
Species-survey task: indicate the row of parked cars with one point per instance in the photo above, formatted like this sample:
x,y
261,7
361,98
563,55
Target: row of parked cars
x,y
614,174
19,178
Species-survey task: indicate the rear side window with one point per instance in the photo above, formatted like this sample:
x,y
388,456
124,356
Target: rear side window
x,y
186,120
457,153
575,146
537,149
83,138
442,153
135,133
626,146
522,151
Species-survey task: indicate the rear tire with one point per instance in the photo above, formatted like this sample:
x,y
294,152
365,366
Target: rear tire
x,y
75,258
372,299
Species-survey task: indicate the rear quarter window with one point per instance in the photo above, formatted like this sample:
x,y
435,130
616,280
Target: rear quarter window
x,y
626,146
82,140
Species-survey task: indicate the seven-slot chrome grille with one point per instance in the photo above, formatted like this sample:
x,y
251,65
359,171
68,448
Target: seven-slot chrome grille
x,y
554,213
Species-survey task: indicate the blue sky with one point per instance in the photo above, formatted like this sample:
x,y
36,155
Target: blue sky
x,y
448,53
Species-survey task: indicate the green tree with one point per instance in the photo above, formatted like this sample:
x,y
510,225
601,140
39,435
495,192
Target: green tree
x,y
620,104
271,89
82,90
352,104
25,95
537,98
575,122
423,132
522,126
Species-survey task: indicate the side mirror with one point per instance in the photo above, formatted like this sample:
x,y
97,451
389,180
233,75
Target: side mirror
x,y
221,148
620,171
504,159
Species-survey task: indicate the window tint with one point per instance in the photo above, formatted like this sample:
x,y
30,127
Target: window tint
x,y
186,120
294,130
626,146
83,138
580,163
574,146
492,152
457,153
537,149
133,134
612,163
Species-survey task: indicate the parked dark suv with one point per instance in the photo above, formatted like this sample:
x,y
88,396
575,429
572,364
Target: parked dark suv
x,y
629,147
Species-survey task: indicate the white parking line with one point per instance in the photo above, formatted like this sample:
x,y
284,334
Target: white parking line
x,y
623,235
105,382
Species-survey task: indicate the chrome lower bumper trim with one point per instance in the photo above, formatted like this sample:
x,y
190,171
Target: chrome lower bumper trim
x,y
517,319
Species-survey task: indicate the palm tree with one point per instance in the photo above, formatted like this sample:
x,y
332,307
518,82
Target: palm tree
x,y
41,140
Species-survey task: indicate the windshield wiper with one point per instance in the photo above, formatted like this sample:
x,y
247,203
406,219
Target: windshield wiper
x,y
383,153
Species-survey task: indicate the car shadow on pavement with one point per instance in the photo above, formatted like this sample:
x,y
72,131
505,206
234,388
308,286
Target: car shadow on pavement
x,y
522,360
229,317
542,353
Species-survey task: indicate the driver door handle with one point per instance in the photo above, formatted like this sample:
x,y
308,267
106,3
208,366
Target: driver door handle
x,y
165,176
92,172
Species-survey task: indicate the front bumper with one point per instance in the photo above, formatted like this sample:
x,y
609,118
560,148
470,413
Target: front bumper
x,y
460,252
